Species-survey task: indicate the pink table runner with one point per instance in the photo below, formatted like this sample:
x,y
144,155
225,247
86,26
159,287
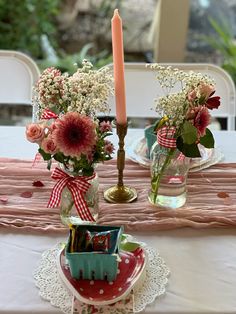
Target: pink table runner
x,y
206,207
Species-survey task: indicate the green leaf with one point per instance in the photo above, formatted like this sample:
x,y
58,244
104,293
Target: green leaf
x,y
202,100
208,139
59,157
49,164
129,246
189,150
159,124
106,134
45,156
189,133
84,51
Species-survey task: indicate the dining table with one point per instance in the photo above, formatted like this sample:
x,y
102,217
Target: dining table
x,y
202,261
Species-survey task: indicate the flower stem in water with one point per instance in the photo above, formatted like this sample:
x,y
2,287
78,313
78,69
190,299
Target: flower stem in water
x,y
155,182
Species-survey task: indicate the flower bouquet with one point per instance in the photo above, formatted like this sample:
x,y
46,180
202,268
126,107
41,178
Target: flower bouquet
x,y
185,114
68,131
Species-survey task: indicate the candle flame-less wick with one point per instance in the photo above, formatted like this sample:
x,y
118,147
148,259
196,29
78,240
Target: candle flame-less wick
x,y
116,15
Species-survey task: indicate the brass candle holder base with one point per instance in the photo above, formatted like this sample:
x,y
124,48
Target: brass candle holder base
x,y
120,193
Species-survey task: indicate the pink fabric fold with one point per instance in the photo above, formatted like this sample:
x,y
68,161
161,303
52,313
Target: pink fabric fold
x,y
28,214
204,207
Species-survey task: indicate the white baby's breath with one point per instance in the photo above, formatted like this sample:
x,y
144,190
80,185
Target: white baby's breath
x,y
176,85
86,91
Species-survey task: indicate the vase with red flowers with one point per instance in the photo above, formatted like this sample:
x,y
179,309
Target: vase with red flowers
x,y
185,116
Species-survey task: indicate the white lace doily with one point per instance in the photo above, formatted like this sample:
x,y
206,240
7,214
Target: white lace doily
x,y
52,289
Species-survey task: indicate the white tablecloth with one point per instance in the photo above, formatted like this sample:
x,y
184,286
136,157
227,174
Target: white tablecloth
x,y
202,262
14,144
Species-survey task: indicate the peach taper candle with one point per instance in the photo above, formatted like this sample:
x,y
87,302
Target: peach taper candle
x,y
119,193
118,65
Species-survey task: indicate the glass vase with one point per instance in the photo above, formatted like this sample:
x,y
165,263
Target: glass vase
x,y
68,211
169,170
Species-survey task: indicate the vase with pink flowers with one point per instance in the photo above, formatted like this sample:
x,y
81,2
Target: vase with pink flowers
x,y
68,132
185,115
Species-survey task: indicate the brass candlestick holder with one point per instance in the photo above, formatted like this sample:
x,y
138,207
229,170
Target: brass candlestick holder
x,y
120,193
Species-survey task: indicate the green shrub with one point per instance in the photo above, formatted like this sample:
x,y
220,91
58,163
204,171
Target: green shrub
x,y
22,22
225,44
69,62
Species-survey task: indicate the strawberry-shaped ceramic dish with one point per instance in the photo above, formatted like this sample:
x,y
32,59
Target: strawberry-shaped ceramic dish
x,y
131,270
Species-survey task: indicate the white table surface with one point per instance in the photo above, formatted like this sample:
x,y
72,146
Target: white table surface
x,y
13,143
202,262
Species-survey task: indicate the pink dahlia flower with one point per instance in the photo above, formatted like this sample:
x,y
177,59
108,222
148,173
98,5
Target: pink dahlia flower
x,y
105,126
201,120
109,147
75,134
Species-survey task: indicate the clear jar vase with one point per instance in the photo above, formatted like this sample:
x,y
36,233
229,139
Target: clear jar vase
x,y
68,211
169,170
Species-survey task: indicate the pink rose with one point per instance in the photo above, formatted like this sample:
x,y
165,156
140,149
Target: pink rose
x,y
206,90
192,95
48,145
35,133
52,127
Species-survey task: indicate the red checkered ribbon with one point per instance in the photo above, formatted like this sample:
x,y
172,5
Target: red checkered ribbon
x,y
78,186
165,138
48,114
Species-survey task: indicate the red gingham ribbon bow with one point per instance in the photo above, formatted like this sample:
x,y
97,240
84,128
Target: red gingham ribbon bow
x,y
48,114
165,138
77,186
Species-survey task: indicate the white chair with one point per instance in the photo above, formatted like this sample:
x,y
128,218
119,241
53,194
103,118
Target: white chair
x,y
17,76
142,88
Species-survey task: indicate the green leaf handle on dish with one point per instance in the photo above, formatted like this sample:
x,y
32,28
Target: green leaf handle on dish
x,y
126,245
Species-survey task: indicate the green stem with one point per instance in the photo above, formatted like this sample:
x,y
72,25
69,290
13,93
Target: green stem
x,y
155,182
66,209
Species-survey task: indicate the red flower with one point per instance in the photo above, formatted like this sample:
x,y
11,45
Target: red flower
x,y
38,184
75,134
213,102
201,120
